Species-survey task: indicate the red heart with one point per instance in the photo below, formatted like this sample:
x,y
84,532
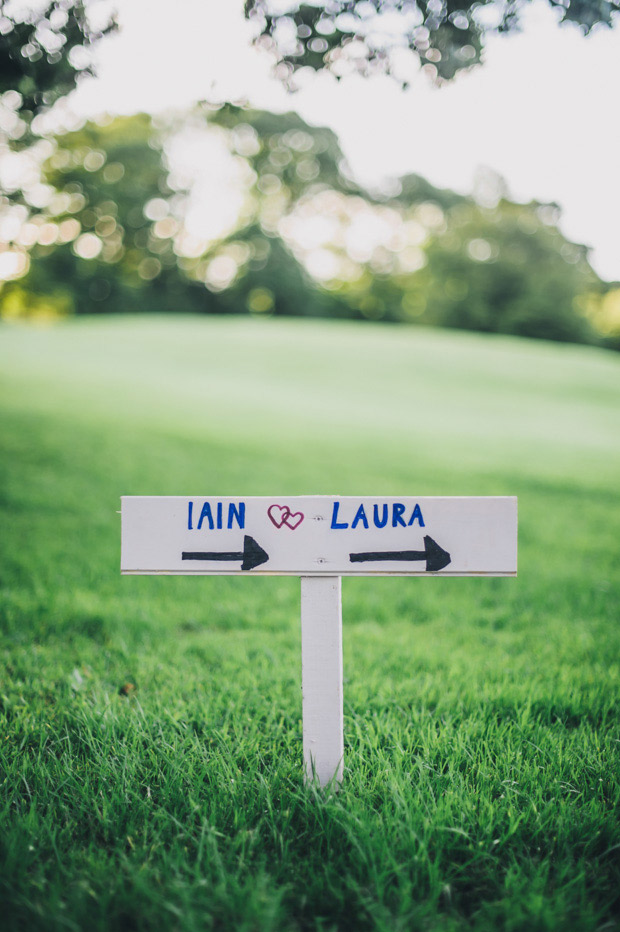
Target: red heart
x,y
278,514
293,519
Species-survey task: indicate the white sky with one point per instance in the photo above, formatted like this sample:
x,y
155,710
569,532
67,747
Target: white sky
x,y
541,111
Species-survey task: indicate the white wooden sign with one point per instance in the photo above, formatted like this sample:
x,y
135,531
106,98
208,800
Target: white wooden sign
x,y
319,536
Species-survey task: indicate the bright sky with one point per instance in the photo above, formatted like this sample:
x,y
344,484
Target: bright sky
x,y
541,111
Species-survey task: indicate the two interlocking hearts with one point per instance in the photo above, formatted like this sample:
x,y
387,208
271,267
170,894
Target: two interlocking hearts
x,y
282,514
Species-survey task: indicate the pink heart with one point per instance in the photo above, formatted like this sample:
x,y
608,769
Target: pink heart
x,y
293,519
278,514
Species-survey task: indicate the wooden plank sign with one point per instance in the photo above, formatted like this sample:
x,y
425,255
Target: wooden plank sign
x,y
320,538
319,535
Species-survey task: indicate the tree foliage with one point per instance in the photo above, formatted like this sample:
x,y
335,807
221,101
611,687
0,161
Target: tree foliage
x,y
44,49
100,243
112,236
288,160
505,269
446,36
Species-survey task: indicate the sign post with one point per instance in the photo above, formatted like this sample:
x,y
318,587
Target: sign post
x,y
320,539
321,677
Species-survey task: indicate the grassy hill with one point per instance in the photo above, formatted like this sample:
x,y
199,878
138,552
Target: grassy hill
x,y
482,726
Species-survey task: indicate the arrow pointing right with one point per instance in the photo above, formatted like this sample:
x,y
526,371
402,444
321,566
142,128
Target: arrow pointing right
x,y
252,554
436,557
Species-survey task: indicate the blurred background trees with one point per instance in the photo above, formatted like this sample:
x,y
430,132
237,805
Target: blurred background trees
x,y
110,216
98,241
111,234
374,36
44,50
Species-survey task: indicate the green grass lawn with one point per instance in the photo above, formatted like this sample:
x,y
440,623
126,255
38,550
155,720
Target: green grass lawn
x,y
482,726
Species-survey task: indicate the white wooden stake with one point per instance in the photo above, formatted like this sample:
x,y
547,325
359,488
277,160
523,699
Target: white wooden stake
x,y
321,663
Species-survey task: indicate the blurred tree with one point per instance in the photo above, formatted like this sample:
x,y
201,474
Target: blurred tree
x,y
501,269
112,234
603,310
44,48
505,269
254,269
273,281
285,146
369,36
104,239
315,243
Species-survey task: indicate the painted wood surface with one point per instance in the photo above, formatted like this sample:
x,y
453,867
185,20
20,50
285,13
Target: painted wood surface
x,y
321,671
319,535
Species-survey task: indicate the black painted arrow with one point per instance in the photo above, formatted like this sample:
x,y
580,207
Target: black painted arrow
x,y
436,557
252,555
